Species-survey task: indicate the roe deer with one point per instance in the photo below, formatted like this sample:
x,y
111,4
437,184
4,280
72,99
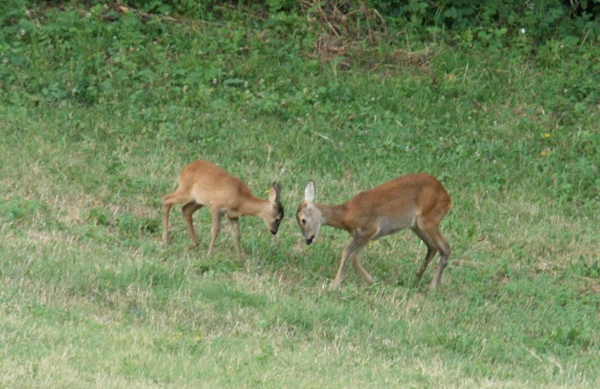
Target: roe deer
x,y
415,201
202,184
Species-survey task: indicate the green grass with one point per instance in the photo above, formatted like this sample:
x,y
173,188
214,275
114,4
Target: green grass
x,y
89,297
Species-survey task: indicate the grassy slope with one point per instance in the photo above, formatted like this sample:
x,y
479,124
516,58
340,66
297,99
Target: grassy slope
x,y
94,132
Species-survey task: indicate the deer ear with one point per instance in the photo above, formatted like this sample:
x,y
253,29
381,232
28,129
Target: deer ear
x,y
309,192
274,194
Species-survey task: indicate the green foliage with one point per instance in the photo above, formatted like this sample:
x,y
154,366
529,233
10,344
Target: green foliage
x,y
186,7
492,23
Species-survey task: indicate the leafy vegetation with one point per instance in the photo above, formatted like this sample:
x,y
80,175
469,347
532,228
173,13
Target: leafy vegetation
x,y
103,104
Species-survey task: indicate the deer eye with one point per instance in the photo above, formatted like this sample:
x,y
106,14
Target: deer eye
x,y
303,221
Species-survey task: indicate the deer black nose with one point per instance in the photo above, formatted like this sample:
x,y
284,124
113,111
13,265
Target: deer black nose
x,y
273,232
310,240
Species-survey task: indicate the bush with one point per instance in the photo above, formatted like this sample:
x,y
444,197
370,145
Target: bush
x,y
490,23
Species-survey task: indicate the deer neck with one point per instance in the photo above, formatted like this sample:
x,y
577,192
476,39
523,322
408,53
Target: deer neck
x,y
253,206
333,216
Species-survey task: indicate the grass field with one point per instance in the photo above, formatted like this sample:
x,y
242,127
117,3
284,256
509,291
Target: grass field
x,y
99,117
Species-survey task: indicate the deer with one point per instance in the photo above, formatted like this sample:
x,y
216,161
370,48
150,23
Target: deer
x,y
203,184
415,201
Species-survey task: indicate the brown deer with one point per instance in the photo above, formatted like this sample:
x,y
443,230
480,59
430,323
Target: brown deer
x,y
202,184
415,201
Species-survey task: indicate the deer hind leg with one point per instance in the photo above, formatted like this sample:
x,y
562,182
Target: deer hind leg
x,y
168,201
431,250
216,227
235,227
433,238
188,211
444,249
166,209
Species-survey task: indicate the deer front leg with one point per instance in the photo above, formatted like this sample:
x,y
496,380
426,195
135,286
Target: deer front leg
x,y
357,243
216,227
235,228
338,278
361,269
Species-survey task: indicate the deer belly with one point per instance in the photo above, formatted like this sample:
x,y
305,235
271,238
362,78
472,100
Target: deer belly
x,y
389,226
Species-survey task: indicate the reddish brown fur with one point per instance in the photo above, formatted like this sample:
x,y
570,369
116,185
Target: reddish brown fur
x,y
203,184
416,201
